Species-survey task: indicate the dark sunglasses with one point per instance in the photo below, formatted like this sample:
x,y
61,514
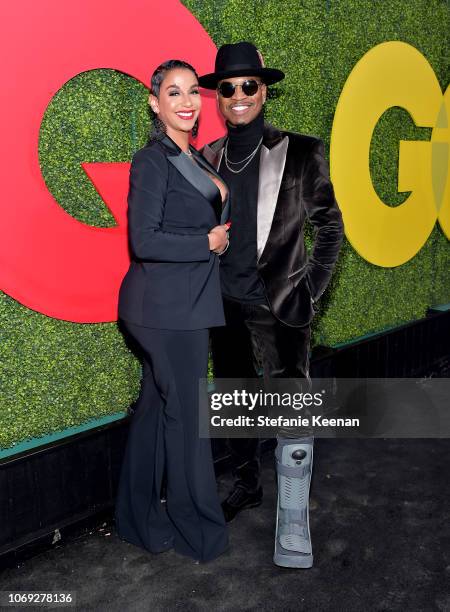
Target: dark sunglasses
x,y
227,89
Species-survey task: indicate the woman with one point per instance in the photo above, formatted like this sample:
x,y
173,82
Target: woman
x,y
168,300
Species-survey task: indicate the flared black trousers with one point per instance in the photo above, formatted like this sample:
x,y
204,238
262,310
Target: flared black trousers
x,y
164,436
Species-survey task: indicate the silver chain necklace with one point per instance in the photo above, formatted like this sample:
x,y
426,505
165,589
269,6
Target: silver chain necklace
x,y
247,159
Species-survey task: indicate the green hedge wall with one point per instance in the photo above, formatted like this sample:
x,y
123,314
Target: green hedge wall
x,y
56,374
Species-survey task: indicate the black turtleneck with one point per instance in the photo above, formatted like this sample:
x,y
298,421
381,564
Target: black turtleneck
x,y
238,271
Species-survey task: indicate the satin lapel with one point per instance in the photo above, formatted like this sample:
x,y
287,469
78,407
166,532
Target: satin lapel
x,y
202,161
226,206
198,179
213,154
271,168
226,210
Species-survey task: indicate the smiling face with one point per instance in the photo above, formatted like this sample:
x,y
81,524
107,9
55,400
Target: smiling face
x,y
178,104
241,108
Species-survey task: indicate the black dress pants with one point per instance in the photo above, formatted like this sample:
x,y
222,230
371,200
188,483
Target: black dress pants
x,y
255,343
164,435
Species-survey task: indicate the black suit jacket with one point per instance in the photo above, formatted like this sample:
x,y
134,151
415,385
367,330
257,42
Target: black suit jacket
x,y
294,185
173,280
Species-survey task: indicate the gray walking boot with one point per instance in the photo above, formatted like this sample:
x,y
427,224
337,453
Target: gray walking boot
x,y
292,537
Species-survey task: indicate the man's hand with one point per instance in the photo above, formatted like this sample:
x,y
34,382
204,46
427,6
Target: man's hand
x,y
218,238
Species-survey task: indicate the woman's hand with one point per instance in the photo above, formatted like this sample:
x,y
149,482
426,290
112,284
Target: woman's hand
x,y
218,238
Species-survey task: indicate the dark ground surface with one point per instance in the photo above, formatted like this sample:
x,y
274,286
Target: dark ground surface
x,y
380,531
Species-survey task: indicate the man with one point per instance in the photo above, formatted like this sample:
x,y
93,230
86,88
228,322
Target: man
x,y
277,180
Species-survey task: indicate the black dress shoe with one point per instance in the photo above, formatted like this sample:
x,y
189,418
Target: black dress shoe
x,y
239,499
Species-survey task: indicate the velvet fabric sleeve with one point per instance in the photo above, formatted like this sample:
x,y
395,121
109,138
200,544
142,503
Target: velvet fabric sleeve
x,y
324,214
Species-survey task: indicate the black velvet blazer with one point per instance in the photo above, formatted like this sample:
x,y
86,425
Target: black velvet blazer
x,y
294,185
173,280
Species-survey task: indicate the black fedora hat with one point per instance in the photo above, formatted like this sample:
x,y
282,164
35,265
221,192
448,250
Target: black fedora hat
x,y
239,59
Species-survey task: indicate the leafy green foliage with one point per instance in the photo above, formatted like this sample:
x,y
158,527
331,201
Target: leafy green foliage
x,y
57,374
